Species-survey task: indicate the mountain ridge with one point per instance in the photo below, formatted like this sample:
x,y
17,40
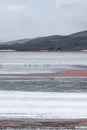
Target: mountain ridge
x,y
75,41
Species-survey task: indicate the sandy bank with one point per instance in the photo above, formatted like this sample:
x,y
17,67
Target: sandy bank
x,y
42,123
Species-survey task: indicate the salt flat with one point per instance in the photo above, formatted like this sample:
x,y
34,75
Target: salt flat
x,y
40,105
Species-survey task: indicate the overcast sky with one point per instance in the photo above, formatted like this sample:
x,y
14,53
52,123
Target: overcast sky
x,y
35,18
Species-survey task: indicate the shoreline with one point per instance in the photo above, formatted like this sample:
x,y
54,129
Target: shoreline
x,y
59,51
42,123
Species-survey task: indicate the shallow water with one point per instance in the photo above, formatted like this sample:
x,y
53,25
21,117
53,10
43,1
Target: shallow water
x,y
41,62
44,84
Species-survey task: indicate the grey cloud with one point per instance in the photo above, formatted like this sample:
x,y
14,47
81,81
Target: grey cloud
x,y
15,21
22,20
73,13
71,3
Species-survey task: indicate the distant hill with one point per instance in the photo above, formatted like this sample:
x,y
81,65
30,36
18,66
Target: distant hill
x,y
80,34
76,41
17,41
